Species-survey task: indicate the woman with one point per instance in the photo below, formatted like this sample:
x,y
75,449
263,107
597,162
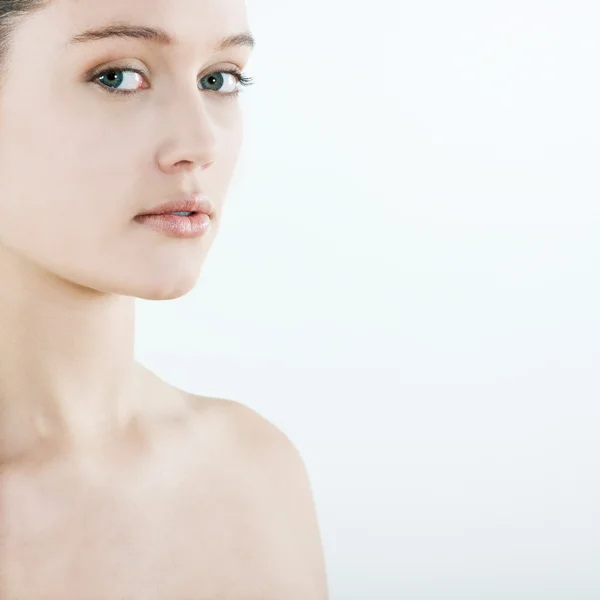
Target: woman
x,y
115,484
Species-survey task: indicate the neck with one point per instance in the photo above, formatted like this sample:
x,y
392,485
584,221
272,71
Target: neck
x,y
67,368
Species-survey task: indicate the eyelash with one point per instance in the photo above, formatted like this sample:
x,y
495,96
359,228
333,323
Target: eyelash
x,y
242,80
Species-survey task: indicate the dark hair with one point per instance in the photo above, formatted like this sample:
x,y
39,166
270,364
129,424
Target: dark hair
x,y
11,13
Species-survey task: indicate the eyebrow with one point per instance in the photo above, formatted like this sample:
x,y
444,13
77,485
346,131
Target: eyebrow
x,y
155,34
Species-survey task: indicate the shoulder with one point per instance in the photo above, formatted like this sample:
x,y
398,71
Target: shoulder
x,y
278,472
257,440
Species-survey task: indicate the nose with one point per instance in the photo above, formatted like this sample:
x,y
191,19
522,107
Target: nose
x,y
190,142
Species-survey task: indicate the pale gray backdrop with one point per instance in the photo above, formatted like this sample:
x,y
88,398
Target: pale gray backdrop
x,y
406,283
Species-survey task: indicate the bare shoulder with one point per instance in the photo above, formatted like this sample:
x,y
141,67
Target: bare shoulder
x,y
239,424
258,442
277,468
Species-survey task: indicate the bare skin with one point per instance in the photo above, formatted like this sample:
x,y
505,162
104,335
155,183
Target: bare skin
x,y
113,484
200,498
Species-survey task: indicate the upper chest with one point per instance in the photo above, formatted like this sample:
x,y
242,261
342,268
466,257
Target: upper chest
x,y
153,535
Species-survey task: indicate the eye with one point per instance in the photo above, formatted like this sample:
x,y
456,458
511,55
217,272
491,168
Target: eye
x,y
216,82
113,78
127,80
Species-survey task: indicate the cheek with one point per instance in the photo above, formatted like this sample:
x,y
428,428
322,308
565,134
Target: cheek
x,y
57,188
232,146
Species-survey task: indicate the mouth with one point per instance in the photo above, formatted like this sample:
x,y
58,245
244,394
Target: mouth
x,y
189,213
174,216
184,206
186,224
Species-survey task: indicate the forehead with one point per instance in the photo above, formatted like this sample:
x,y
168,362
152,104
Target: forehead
x,y
188,21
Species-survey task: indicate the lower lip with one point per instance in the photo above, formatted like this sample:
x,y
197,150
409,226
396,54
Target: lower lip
x,y
192,226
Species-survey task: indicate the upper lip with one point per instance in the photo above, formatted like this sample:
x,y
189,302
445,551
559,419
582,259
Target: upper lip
x,y
191,202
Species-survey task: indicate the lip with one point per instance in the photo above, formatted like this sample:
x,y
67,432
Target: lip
x,y
192,226
195,202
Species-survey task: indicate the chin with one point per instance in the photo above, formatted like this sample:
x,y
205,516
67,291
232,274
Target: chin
x,y
166,288
147,273
146,286
172,293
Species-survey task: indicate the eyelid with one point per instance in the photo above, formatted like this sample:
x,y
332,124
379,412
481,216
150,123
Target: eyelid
x,y
94,73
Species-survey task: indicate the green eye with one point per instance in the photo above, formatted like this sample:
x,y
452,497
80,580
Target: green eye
x,y
215,80
113,78
128,80
219,80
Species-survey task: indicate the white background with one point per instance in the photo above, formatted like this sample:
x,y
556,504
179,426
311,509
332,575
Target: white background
x,y
406,283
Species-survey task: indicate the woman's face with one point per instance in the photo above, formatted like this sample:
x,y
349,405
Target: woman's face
x,y
78,161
